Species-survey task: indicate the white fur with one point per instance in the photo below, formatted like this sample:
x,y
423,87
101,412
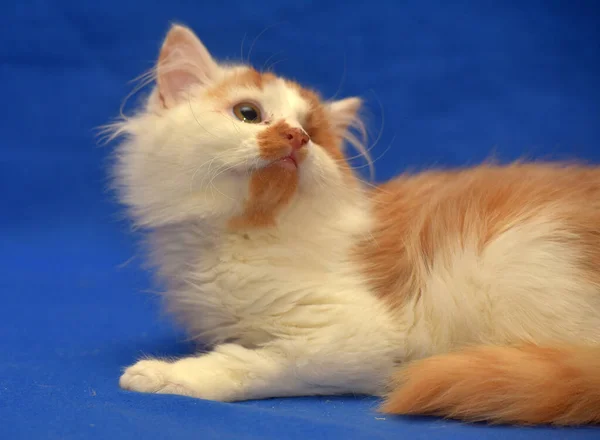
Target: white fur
x,y
525,286
286,310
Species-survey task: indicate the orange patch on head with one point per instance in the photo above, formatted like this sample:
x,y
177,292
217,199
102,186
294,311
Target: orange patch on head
x,y
248,78
318,124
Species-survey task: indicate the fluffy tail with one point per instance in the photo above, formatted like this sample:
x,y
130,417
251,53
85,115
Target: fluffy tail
x,y
527,385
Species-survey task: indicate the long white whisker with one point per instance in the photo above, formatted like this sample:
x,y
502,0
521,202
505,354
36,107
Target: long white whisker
x,y
217,175
209,162
196,119
242,46
266,63
270,68
342,79
378,157
208,173
257,37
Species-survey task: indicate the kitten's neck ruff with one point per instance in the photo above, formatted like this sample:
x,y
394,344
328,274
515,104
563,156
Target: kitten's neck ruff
x,y
216,276
315,222
317,212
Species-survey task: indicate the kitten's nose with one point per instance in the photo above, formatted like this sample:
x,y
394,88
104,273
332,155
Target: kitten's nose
x,y
296,137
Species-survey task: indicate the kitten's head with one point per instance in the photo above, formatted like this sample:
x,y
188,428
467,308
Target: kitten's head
x,y
228,143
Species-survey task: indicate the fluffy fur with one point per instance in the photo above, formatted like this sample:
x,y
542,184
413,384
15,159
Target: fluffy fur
x,y
520,384
301,280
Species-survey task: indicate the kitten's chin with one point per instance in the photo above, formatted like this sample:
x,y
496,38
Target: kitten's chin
x,y
291,162
287,163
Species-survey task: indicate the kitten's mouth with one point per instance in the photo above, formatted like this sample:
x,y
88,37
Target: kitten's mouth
x,y
288,162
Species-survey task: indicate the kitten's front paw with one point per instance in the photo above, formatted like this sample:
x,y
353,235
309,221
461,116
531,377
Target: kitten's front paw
x,y
145,376
152,376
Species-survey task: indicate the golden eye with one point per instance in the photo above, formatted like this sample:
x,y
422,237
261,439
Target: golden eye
x,y
247,112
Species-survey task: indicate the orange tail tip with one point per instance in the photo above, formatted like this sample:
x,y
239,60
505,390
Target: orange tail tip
x,y
526,385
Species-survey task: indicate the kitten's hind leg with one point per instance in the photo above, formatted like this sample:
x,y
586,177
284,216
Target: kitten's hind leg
x,y
283,368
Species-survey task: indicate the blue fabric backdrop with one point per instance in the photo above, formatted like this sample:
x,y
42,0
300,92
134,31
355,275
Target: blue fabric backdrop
x,y
453,81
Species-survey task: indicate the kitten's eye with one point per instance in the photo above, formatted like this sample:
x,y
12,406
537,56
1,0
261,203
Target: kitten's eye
x,y
247,112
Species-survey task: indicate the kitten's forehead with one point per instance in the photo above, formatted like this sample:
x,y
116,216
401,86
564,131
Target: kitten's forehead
x,y
286,97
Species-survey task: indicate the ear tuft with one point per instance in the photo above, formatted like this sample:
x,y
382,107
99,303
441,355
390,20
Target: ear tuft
x,y
345,117
183,62
344,112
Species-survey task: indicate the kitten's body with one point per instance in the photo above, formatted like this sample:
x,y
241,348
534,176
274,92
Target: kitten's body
x,y
303,282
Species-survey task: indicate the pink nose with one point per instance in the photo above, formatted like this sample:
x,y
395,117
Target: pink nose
x,y
296,137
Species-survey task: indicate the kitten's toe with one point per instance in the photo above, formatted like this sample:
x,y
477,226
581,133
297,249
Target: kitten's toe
x,y
148,376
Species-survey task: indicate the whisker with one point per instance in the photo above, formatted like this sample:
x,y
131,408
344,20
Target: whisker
x,y
342,80
258,36
381,108
144,79
371,185
111,131
208,173
242,46
356,156
209,162
270,69
269,59
378,157
196,119
217,175
358,145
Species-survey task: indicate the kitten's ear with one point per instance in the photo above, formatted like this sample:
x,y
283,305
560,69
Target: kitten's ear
x,y
344,113
182,63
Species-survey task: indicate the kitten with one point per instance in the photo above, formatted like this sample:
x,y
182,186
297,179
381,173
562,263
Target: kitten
x,y
472,294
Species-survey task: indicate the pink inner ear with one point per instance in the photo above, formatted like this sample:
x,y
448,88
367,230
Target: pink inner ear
x,y
171,85
183,62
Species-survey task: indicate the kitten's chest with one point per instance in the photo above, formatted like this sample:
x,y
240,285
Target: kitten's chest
x,y
252,292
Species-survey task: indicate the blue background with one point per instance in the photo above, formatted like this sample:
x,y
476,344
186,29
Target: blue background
x,y
454,82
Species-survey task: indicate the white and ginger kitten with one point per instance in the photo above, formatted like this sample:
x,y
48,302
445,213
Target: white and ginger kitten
x,y
471,294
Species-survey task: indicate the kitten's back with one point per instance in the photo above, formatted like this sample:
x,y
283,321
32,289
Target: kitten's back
x,y
417,216
489,255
